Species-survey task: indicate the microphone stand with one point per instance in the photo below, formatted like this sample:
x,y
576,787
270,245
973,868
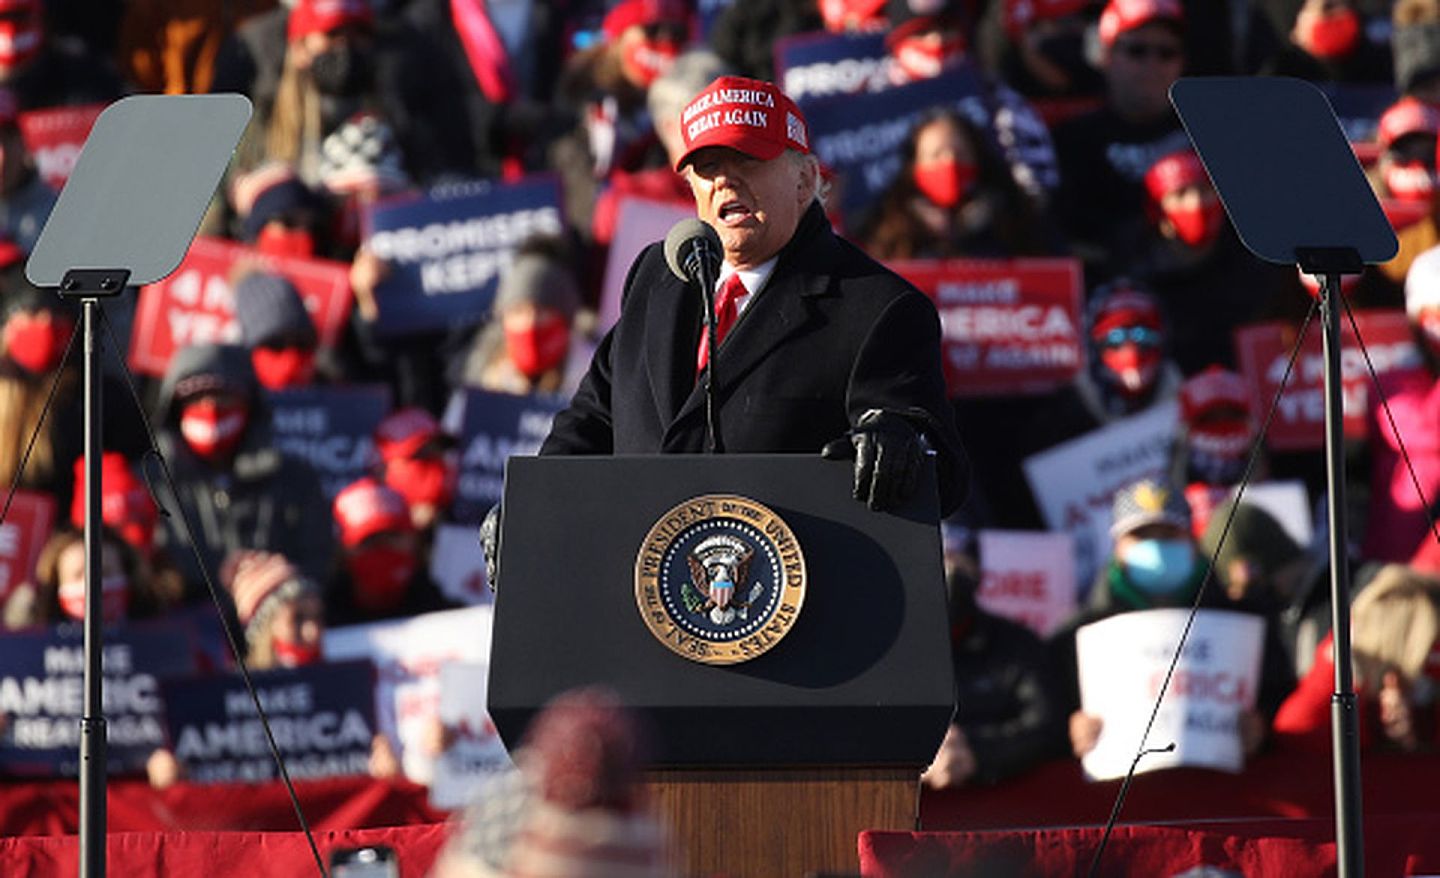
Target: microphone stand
x,y
698,263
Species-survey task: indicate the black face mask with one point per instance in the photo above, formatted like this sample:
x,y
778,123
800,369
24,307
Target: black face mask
x,y
342,71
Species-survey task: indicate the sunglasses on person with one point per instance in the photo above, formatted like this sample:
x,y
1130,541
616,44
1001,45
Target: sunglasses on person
x,y
1143,336
1138,51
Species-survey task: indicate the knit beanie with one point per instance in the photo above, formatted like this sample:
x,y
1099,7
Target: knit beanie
x,y
269,307
260,584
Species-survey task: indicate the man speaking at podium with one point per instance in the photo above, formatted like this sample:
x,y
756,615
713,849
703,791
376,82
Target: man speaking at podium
x,y
816,341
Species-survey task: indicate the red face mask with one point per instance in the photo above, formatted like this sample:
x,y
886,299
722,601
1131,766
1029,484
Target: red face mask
x,y
293,655
923,58
278,240
1412,181
114,598
380,575
213,429
35,342
1133,367
1333,35
279,368
944,182
646,61
19,42
1197,225
538,347
422,481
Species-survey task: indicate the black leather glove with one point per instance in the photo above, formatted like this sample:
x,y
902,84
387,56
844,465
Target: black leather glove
x,y
490,544
888,454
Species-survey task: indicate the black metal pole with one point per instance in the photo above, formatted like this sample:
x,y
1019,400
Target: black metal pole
x,y
92,722
1344,727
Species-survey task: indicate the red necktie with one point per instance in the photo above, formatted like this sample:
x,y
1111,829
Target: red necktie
x,y
725,313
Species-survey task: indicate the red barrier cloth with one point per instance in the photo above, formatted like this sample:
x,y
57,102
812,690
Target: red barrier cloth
x,y
219,854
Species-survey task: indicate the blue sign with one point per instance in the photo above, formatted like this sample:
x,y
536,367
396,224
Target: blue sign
x,y
710,12
332,428
1359,107
446,251
42,695
820,65
322,717
496,426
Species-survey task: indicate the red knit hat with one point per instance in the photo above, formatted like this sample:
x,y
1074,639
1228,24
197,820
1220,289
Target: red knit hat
x,y
367,507
749,115
323,16
1407,116
1214,388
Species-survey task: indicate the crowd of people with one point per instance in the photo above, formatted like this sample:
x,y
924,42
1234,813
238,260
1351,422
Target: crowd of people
x,y
358,101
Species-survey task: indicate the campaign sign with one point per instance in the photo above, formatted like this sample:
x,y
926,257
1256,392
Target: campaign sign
x,y
819,65
322,717
1028,577
332,428
54,137
494,427
1122,664
475,749
196,303
456,567
446,251
639,222
26,529
1264,350
1075,482
42,695
408,655
1007,326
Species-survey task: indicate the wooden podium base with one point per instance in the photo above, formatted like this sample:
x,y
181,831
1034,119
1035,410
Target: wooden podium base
x,y
780,822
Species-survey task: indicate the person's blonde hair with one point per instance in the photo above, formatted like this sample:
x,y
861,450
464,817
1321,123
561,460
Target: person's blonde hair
x,y
21,403
294,118
1395,621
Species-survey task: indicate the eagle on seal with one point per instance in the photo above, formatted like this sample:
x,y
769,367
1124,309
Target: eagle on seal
x,y
719,566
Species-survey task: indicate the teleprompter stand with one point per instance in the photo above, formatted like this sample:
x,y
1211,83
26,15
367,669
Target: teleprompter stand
x,y
1296,195
771,766
125,217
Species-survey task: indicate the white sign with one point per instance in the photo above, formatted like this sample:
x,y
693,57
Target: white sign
x,y
1122,662
408,656
639,223
457,564
475,749
1075,482
1028,577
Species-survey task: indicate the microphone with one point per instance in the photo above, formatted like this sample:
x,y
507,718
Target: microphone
x,y
692,250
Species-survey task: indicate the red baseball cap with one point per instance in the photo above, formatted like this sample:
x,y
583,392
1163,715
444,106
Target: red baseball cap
x,y
367,507
629,13
1122,16
323,16
1175,171
1216,387
404,432
1407,116
748,115
124,498
1124,306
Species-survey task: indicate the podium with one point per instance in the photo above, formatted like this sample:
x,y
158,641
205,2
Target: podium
x,y
770,765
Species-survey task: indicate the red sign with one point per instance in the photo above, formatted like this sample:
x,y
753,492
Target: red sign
x,y
195,303
25,531
1299,425
54,137
1008,326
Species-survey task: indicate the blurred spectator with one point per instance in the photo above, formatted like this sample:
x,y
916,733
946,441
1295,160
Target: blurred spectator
x,y
35,328
277,214
125,502
574,806
58,592
852,16
235,486
1396,520
1154,563
383,572
277,329
360,163
1395,623
44,72
25,199
1104,154
1008,717
606,85
1406,136
954,196
746,32
526,345
1328,40
170,47
1415,48
278,608
1038,47
1214,443
418,460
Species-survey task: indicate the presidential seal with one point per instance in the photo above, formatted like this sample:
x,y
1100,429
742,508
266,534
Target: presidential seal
x,y
720,579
